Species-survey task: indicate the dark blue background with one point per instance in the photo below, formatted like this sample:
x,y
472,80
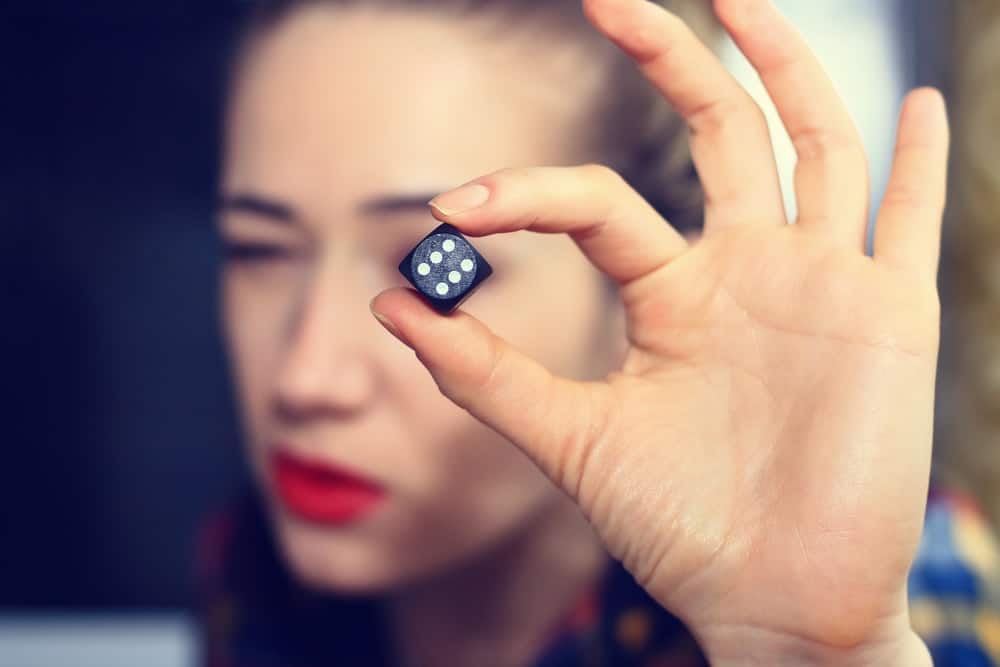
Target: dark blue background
x,y
118,428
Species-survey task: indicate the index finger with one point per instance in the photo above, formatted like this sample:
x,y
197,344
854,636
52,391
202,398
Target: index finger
x,y
618,230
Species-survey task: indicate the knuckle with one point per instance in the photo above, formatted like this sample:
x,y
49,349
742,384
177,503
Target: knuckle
x,y
731,13
718,115
607,186
495,352
565,468
816,142
904,196
601,174
506,176
654,43
576,446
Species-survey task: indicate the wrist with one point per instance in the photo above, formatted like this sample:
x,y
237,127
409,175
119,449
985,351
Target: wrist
x,y
752,648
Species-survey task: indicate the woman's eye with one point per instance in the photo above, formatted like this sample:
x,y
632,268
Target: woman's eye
x,y
247,252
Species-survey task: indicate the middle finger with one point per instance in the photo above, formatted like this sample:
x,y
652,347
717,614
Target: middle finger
x,y
730,142
831,177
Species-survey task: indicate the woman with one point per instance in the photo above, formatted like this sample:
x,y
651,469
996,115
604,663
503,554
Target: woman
x,y
743,423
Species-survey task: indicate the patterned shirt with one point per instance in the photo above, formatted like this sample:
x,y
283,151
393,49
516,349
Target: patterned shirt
x,y
256,615
955,584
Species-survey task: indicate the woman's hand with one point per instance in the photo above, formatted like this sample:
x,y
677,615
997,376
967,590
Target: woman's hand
x,y
760,462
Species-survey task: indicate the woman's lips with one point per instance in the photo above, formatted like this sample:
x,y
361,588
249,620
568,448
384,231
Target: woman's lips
x,y
321,492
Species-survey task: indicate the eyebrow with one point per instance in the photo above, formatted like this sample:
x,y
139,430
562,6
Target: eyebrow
x,y
278,211
258,206
398,203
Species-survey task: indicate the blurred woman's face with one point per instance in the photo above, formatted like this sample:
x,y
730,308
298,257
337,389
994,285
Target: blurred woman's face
x,y
342,124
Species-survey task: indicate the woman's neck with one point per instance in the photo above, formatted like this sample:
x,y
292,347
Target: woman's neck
x,y
497,610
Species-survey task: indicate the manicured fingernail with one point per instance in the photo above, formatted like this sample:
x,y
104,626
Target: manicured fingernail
x,y
459,200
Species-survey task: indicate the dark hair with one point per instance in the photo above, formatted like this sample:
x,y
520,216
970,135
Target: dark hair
x,y
636,131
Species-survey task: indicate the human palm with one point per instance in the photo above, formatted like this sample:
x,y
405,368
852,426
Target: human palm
x,y
760,462
772,425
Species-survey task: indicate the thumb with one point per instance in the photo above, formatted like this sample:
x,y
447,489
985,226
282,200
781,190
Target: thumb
x,y
554,420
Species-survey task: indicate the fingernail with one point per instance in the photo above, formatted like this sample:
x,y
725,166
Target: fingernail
x,y
459,200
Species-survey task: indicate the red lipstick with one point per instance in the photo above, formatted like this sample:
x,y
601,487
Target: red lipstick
x,y
321,492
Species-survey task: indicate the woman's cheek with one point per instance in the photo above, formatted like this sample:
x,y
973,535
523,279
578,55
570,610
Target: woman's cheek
x,y
548,309
259,327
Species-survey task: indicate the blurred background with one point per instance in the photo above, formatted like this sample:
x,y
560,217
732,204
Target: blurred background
x,y
121,432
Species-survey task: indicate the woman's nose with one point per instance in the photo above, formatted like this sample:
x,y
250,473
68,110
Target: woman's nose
x,y
329,365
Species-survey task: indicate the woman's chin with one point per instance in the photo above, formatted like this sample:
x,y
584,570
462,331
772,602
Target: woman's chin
x,y
340,561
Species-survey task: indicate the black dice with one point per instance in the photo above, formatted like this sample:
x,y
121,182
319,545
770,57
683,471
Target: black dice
x,y
445,268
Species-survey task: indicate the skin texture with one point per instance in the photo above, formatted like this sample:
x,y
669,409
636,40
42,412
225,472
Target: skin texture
x,y
469,525
760,460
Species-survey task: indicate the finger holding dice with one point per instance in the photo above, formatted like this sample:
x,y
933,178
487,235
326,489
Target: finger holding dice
x,y
551,419
618,230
